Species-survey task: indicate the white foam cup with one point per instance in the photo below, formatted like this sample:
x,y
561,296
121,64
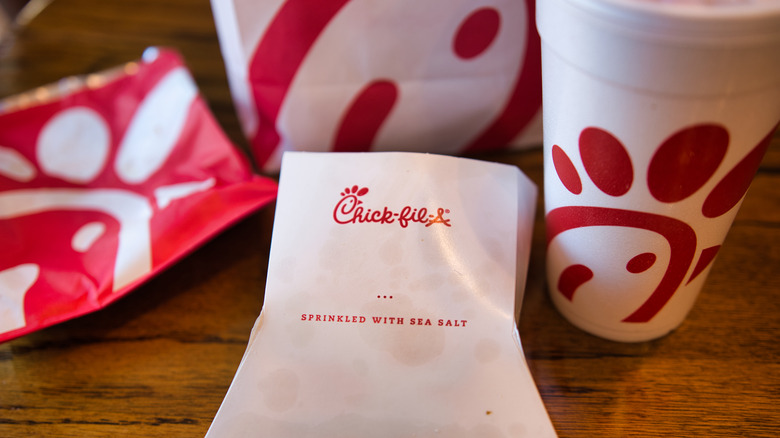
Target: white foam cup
x,y
656,117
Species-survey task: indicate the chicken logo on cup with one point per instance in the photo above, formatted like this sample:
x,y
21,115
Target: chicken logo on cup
x,y
350,210
682,170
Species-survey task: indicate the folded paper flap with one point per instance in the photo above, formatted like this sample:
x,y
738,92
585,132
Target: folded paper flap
x,y
389,304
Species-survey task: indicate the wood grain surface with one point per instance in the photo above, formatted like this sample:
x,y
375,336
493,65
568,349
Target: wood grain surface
x,y
158,362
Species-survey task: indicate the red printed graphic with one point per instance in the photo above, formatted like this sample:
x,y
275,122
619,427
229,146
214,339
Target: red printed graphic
x,y
438,218
606,161
566,170
524,99
680,167
350,210
686,161
364,117
277,59
297,27
106,186
573,277
641,263
476,33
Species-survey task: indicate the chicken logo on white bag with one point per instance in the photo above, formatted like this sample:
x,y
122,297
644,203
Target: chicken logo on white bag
x,y
352,76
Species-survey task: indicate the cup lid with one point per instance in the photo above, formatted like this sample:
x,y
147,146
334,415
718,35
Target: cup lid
x,y
691,47
731,22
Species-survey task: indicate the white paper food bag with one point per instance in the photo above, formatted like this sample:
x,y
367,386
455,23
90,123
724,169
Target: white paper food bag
x,y
389,304
445,76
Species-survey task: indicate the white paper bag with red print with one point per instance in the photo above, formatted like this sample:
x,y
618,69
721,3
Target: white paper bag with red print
x,y
445,76
389,304
106,180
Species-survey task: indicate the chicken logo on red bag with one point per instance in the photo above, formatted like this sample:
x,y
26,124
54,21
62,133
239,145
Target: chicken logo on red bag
x,y
103,185
359,75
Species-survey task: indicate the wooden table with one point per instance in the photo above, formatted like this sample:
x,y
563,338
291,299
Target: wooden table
x,y
158,362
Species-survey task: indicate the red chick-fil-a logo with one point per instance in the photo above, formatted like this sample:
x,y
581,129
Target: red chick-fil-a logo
x,y
349,210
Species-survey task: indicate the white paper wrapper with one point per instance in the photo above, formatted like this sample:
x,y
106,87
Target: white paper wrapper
x,y
389,304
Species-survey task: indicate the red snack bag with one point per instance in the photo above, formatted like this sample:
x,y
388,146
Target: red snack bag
x,y
105,181
372,75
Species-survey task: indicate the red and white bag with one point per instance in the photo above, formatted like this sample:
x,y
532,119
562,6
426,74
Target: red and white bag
x,y
104,181
445,76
